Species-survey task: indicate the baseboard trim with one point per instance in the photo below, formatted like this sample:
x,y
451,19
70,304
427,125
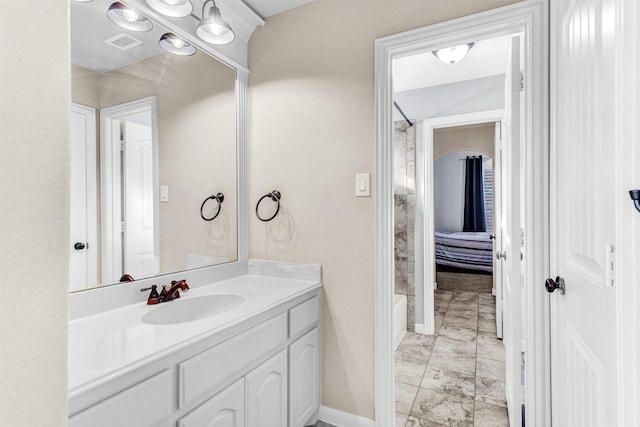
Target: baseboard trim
x,y
420,328
343,419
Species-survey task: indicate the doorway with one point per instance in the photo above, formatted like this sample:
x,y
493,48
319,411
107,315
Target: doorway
x,y
129,175
527,19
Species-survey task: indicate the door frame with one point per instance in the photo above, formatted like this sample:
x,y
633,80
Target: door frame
x,y
110,182
530,18
429,272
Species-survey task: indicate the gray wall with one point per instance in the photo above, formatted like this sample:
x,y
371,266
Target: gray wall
x,y
469,96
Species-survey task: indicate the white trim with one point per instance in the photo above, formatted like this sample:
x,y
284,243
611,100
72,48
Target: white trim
x,y
428,265
242,78
110,177
421,328
529,16
344,419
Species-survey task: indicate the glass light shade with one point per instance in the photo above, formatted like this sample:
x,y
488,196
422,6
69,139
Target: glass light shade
x,y
451,55
213,29
128,18
171,43
173,8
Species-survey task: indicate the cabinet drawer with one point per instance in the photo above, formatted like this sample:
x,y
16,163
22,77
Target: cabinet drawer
x,y
144,404
229,359
304,316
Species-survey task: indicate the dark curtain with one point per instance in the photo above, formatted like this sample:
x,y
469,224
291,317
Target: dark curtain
x,y
474,218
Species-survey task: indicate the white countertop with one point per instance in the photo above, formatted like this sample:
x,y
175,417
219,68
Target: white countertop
x,y
108,344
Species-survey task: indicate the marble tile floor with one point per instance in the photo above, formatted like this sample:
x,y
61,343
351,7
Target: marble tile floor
x,y
455,377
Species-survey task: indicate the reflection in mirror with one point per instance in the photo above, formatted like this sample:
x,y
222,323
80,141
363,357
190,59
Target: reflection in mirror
x,y
153,136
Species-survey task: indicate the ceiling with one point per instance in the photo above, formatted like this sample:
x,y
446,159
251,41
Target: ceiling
x,y
90,27
486,58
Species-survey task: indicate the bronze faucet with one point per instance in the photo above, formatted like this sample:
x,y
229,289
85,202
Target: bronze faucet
x,y
167,293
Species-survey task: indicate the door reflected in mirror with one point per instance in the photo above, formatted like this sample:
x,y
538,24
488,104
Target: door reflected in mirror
x,y
153,136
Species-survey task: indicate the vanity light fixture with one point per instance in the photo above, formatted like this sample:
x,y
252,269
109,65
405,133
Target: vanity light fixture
x,y
128,18
451,55
213,29
171,43
173,8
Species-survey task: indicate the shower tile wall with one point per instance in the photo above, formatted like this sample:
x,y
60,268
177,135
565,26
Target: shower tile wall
x,y
404,156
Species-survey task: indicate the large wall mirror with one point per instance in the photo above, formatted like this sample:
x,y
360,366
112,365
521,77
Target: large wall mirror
x,y
153,151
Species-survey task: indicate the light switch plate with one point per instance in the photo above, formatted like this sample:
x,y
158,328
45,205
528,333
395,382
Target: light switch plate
x,y
164,193
363,185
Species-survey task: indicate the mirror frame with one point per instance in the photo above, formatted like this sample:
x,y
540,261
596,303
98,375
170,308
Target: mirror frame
x,y
241,88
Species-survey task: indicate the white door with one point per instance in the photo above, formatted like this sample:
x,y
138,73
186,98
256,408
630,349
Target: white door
x,y
511,235
267,388
83,217
141,258
583,210
498,271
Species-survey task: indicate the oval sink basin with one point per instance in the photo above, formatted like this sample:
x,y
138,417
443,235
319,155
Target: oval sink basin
x,y
191,309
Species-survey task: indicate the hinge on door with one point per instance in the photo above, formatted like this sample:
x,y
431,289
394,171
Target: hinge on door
x,y
609,265
121,145
122,226
522,237
522,367
518,81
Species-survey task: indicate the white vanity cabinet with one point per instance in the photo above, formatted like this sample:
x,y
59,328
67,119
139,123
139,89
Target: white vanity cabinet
x,y
262,371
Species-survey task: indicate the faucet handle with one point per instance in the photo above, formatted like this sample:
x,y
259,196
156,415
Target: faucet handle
x,y
154,297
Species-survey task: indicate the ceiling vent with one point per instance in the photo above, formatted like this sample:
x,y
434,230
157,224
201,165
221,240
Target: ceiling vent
x,y
123,41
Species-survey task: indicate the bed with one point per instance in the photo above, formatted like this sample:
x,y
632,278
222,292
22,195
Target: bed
x,y
467,250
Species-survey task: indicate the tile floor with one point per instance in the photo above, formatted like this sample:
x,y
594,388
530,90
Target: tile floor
x,y
455,377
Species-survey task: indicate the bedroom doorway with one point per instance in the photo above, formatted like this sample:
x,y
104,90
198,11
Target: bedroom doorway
x,y
449,128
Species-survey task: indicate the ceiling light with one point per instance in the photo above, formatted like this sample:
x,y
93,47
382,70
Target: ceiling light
x,y
128,18
174,44
173,8
451,55
213,29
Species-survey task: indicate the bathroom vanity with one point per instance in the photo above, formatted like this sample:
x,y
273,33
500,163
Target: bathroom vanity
x,y
239,349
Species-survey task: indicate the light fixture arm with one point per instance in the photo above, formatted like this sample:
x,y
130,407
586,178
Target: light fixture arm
x,y
204,5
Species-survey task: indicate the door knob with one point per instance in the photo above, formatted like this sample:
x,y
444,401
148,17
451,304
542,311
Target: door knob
x,y
551,285
78,246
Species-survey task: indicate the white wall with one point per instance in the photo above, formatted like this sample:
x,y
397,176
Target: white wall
x,y
312,128
34,212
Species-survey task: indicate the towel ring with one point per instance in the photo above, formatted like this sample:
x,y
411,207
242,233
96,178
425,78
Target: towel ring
x,y
218,198
275,196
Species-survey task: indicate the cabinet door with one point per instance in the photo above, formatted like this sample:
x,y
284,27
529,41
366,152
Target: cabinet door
x,y
267,393
304,378
225,409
